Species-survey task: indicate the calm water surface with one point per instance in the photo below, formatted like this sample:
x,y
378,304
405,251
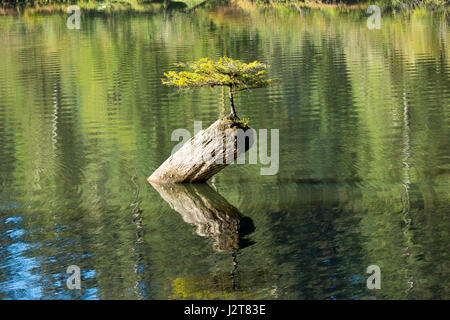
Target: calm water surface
x,y
364,158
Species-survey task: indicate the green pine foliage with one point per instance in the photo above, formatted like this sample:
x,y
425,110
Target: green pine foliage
x,y
234,74
224,72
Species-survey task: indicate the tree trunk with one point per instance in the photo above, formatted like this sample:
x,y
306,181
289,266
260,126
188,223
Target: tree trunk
x,y
233,110
205,154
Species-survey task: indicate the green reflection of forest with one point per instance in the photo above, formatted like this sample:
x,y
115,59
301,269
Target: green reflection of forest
x,y
363,176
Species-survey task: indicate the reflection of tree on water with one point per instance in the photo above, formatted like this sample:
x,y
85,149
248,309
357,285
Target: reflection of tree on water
x,y
210,213
212,216
137,219
406,185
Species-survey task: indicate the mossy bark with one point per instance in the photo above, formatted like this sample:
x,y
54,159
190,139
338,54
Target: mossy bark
x,y
205,154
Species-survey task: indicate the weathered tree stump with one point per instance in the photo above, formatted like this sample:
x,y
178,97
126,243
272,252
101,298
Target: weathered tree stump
x,y
206,153
209,212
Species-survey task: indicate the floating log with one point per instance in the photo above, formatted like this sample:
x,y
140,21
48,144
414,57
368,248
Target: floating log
x,y
206,153
209,212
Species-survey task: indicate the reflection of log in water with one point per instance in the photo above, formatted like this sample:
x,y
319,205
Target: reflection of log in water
x,y
210,213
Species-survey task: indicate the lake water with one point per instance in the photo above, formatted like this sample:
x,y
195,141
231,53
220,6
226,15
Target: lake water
x,y
363,119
